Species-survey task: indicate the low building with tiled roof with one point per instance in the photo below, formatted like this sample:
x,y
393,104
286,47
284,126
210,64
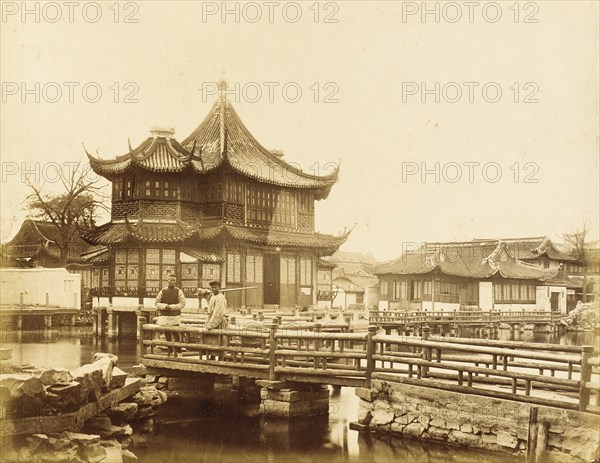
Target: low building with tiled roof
x,y
36,245
353,283
216,205
468,275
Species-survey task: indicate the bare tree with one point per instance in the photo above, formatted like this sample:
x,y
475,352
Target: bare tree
x,y
74,210
577,239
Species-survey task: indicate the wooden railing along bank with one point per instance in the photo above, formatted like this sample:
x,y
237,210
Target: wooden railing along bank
x,y
545,374
378,317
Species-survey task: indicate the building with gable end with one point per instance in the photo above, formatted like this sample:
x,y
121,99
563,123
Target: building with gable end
x,y
472,275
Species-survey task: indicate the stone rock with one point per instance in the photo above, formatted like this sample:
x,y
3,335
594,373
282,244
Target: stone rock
x,y
382,417
437,433
91,378
125,411
452,424
414,429
55,376
92,453
488,438
149,395
118,378
364,415
438,422
100,355
138,371
113,455
98,424
145,426
60,443
506,439
137,441
81,439
128,456
68,395
466,427
151,378
464,438
163,379
116,432
22,385
366,393
145,411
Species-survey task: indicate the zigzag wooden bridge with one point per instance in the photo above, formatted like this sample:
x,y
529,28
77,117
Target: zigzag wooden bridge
x,y
291,357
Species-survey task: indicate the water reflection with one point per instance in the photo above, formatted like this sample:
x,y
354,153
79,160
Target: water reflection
x,y
66,347
225,429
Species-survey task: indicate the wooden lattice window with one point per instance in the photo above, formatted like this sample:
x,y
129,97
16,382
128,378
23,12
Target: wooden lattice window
x,y
234,267
254,268
126,268
287,270
160,263
305,271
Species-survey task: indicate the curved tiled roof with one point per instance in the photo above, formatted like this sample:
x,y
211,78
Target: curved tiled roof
x,y
221,139
533,247
156,154
477,260
113,233
232,142
150,232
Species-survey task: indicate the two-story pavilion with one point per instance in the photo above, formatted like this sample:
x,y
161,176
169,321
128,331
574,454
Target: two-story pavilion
x,y
217,205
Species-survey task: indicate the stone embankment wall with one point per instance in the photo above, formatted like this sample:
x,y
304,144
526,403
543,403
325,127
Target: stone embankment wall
x,y
478,422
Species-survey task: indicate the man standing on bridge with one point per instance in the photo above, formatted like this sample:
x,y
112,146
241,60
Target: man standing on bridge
x,y
217,306
169,302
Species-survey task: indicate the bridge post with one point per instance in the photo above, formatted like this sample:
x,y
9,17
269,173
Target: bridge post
x,y
112,323
586,375
426,352
370,354
141,320
272,348
102,321
19,322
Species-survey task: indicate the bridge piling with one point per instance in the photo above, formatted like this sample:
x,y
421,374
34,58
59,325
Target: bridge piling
x,y
112,323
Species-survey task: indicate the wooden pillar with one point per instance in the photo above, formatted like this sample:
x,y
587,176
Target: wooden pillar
x,y
432,293
586,373
112,323
314,278
19,322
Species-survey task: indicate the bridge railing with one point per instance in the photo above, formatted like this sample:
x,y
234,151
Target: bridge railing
x,y
554,376
545,374
311,356
382,317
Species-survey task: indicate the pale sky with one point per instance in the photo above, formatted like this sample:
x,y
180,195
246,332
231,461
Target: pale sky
x,y
374,60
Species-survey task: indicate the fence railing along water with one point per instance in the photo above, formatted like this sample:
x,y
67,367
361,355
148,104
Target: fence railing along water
x,y
545,374
464,316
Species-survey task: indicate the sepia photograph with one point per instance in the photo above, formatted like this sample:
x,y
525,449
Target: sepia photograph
x,y
300,231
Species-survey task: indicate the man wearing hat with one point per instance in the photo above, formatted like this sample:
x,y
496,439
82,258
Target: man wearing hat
x,y
217,306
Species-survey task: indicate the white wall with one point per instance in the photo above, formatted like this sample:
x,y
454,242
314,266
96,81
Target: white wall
x,y
486,295
371,296
344,299
63,287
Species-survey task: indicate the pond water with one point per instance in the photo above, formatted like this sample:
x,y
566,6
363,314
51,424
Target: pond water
x,y
189,430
